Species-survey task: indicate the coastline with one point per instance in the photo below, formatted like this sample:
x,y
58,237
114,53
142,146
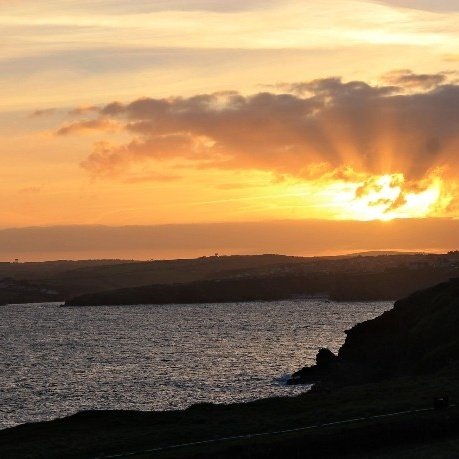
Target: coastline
x,y
407,356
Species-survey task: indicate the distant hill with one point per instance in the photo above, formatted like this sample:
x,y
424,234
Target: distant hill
x,y
340,277
69,278
378,253
45,269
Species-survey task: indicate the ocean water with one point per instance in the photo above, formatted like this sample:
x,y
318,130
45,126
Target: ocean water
x,y
56,361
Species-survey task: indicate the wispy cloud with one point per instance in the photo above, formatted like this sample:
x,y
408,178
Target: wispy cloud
x,y
43,112
408,79
84,126
70,48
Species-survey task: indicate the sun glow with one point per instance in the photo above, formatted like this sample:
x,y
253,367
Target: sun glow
x,y
389,196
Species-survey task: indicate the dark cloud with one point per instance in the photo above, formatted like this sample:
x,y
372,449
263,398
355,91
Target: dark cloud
x,y
321,127
334,87
311,237
112,160
410,80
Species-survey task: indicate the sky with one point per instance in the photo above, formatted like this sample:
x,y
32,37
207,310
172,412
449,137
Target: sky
x,y
116,112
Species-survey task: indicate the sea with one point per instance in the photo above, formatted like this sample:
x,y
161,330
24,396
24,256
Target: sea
x,y
56,361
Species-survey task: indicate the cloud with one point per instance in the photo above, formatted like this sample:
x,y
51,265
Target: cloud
x,y
77,127
83,110
322,127
428,5
307,237
408,79
334,86
43,112
109,160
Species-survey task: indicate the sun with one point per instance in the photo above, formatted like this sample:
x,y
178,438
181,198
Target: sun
x,y
389,196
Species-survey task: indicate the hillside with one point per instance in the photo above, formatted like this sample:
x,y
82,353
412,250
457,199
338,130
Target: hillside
x,y
418,336
69,278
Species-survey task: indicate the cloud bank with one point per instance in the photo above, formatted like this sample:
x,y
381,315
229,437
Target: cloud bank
x,y
172,241
408,124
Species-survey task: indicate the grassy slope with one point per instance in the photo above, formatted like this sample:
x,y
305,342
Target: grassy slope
x,y
94,434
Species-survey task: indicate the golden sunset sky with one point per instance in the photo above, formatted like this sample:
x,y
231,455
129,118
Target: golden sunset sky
x,y
121,112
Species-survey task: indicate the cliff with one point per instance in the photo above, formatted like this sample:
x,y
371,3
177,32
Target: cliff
x,y
419,335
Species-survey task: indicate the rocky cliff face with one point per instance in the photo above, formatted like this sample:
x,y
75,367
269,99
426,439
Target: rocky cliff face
x,y
419,335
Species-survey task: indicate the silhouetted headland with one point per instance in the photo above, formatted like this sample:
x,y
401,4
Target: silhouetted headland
x,y
419,335
338,287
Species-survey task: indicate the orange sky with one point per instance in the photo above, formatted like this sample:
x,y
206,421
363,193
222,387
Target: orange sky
x,y
117,112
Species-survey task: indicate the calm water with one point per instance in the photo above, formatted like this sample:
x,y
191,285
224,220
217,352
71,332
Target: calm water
x,y
56,361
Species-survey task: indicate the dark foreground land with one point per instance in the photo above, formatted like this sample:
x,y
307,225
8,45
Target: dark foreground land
x,y
397,363
98,434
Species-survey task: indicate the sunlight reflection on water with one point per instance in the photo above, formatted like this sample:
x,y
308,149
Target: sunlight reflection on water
x,y
56,361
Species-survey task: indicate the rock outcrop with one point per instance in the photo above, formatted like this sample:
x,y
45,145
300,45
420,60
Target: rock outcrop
x,y
419,335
